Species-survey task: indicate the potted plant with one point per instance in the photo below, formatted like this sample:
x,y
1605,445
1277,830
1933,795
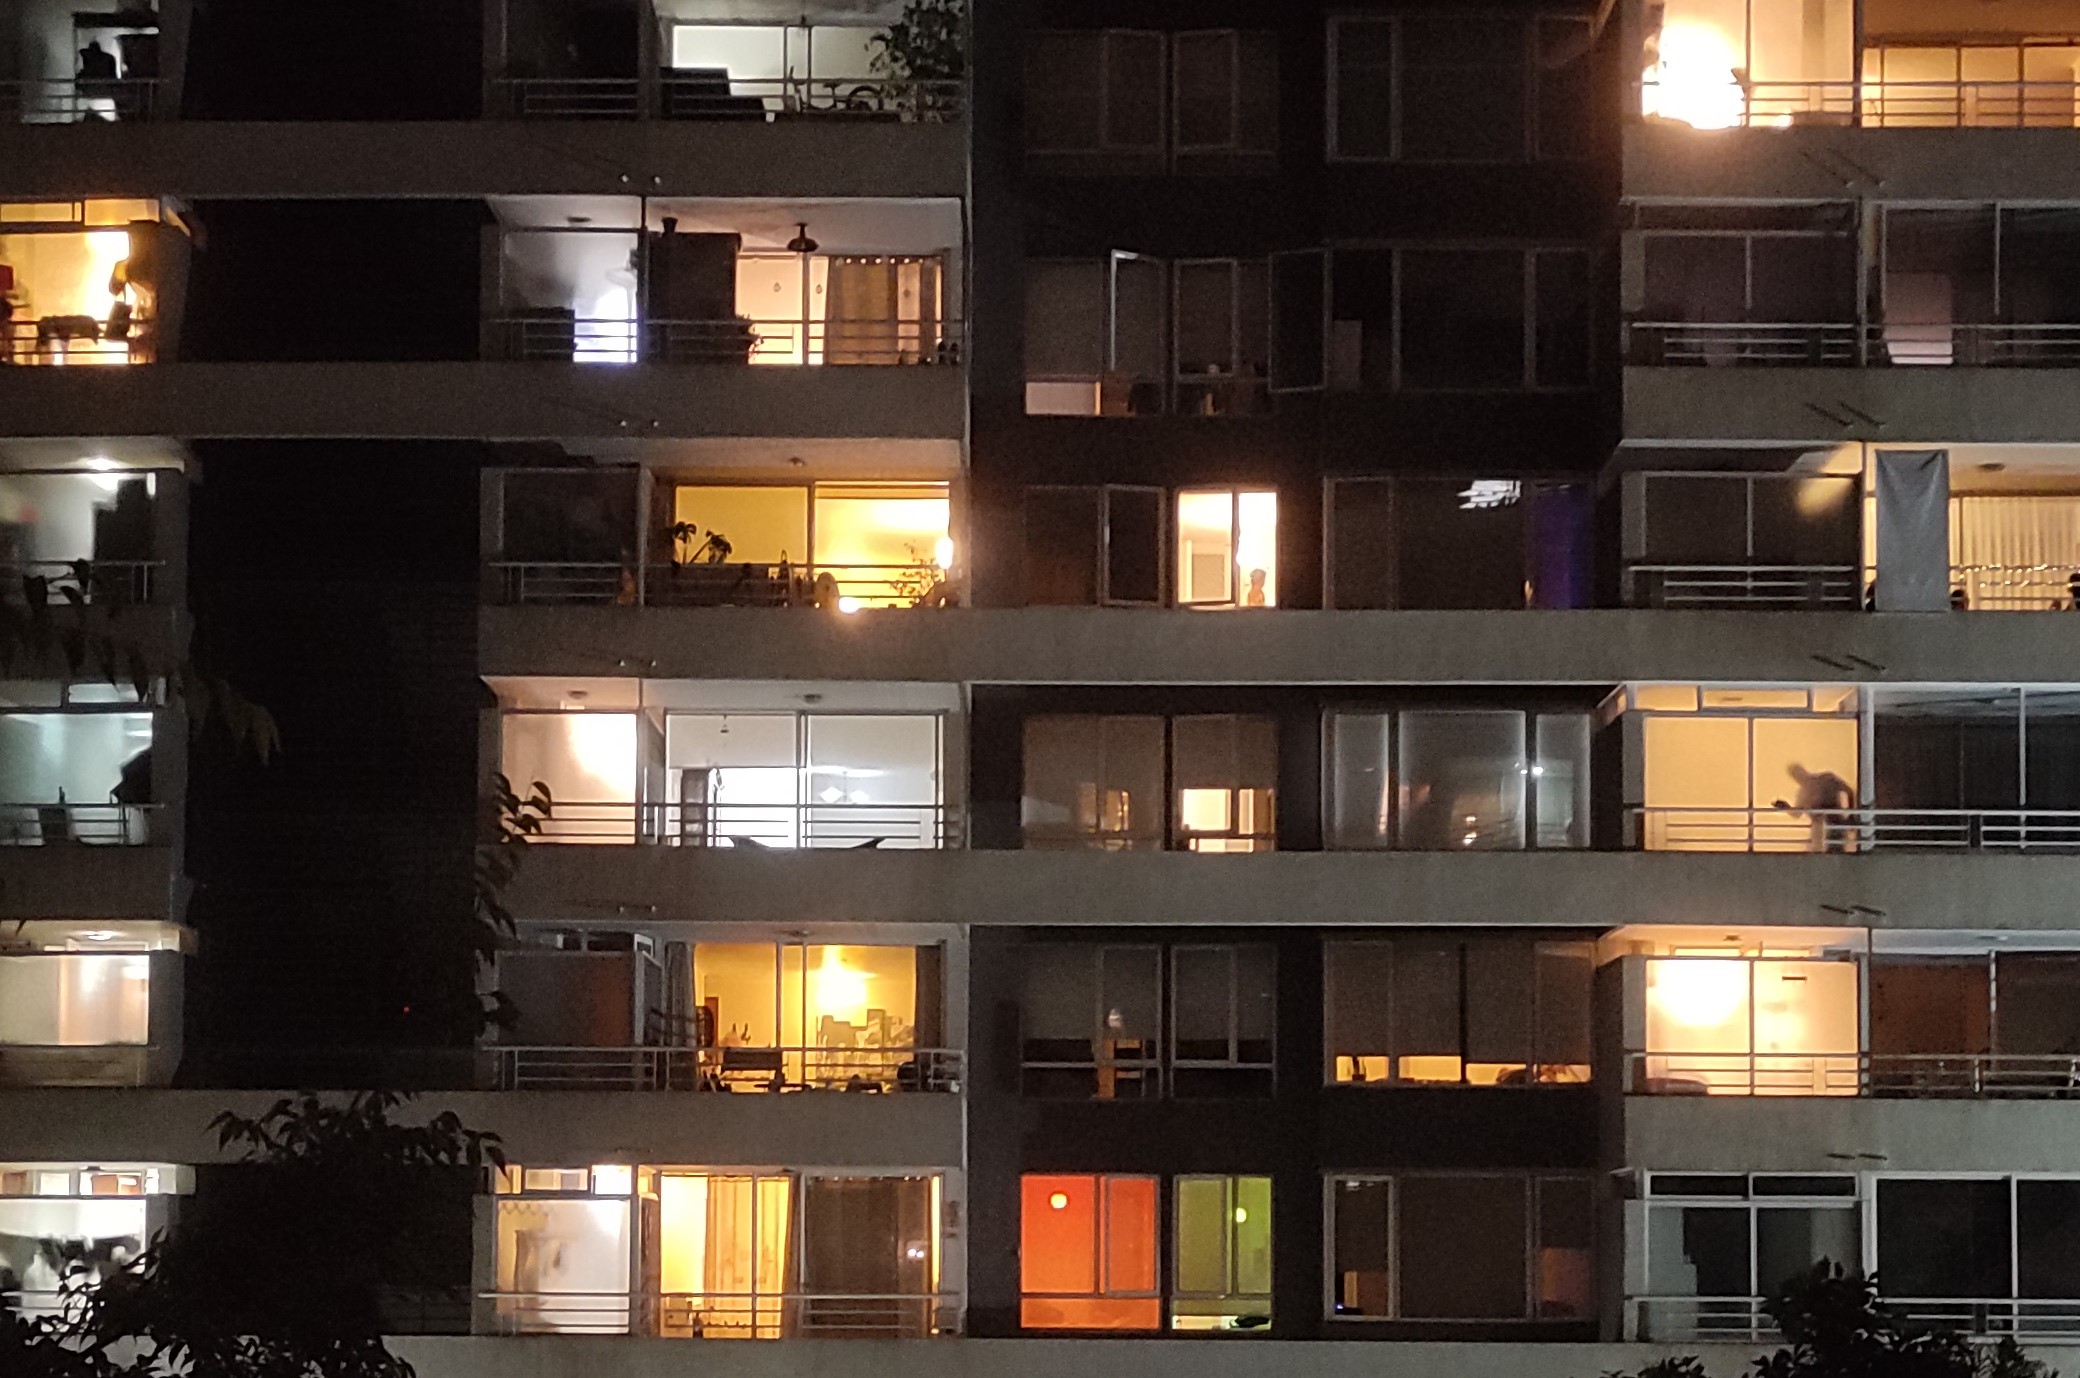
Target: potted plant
x,y
925,51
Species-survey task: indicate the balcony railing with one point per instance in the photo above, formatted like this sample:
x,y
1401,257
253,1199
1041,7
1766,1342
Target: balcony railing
x,y
529,1068
1682,1319
1854,830
1746,586
59,825
74,340
2018,588
692,96
749,585
1868,104
730,1315
1892,1076
78,101
1793,344
556,336
756,826
121,582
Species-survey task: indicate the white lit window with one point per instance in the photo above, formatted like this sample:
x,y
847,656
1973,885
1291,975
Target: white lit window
x,y
1227,548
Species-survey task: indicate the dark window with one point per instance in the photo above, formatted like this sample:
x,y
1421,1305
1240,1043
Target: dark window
x,y
1096,782
1486,1012
1462,318
1458,543
1561,319
1462,1243
1362,53
2047,1239
1462,88
1093,544
1943,1238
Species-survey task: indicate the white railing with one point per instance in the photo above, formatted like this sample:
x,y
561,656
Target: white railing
x,y
57,825
729,1315
549,335
1868,104
1748,586
539,1068
1792,344
78,100
731,584
1904,1076
119,581
1681,1319
74,340
755,826
701,96
2018,588
1853,830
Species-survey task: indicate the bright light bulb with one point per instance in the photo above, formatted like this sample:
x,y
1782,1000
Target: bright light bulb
x,y
1059,1201
943,553
1241,1216
848,604
1698,992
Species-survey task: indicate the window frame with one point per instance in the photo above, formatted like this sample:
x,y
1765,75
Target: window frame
x,y
1237,145
1235,493
1168,154
1107,38
1257,389
1234,1061
1174,1292
1102,575
1101,1251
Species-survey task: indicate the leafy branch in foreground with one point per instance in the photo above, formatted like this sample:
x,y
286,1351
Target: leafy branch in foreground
x,y
513,823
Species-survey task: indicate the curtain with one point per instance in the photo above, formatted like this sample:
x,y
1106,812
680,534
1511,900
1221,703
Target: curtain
x,y
1913,531
881,310
2015,552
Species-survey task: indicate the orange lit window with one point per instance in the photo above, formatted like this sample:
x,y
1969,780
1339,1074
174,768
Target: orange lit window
x,y
1087,1253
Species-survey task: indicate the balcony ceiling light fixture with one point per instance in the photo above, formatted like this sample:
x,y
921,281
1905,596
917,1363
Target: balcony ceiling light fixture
x,y
801,243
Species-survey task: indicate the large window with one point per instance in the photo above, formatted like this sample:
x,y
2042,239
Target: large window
x,y
1715,1241
1142,336
783,1016
1458,543
1729,1025
1456,779
1126,101
1459,88
1713,64
1227,548
50,520
81,282
1748,770
1087,1257
65,1224
1445,1011
842,545
1120,1022
1733,540
1096,781
81,773
1462,1246
1221,1254
1096,544
2003,1242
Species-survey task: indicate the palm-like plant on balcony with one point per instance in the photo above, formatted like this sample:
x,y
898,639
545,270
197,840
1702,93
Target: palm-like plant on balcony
x,y
924,49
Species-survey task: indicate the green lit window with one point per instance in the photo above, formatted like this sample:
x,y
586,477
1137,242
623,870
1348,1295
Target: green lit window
x,y
1222,1277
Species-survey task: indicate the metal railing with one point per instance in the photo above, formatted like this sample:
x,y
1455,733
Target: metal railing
x,y
1853,830
755,826
78,100
553,336
692,96
1681,1319
1745,586
74,340
538,1068
117,581
1902,344
58,825
1894,1076
1868,104
730,1315
700,585
2018,588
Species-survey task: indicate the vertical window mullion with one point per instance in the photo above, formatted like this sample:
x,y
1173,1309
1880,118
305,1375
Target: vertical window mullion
x,y
1530,278
1394,89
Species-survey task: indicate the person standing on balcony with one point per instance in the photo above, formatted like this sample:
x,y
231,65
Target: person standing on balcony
x,y
1826,799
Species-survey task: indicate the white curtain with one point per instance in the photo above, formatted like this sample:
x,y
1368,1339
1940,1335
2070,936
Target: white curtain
x,y
2015,552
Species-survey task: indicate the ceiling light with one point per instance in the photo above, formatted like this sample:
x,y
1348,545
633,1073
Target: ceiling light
x,y
801,243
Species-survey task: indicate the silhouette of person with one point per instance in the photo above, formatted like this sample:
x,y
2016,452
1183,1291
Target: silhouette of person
x,y
1255,597
1824,798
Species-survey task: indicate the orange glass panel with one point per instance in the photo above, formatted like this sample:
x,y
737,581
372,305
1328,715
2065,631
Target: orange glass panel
x,y
1130,1234
1057,1234
1090,1313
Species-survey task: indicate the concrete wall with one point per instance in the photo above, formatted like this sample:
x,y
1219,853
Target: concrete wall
x,y
1908,891
1673,162
1290,646
482,401
564,1128
88,882
510,158
1847,1134
1824,406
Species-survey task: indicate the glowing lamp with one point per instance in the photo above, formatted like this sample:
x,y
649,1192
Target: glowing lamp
x,y
1059,1201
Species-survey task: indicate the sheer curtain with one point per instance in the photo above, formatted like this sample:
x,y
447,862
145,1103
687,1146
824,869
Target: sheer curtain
x,y
880,310
2015,552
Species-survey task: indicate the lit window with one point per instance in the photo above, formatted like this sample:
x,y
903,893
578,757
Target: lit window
x,y
1227,549
1087,1253
1222,1254
1735,1026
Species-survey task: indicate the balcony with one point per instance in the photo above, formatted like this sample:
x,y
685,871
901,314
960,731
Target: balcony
x,y
86,1005
1850,831
1793,344
789,1315
1678,1319
754,826
874,1070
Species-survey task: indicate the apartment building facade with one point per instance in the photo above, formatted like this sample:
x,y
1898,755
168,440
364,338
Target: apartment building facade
x,y
1370,674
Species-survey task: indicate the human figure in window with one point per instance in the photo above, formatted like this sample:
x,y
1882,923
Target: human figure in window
x,y
1254,596
97,74
1826,799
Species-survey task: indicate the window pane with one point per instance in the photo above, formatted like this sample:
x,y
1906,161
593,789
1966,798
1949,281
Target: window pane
x,y
1560,773
1565,974
1062,546
1130,1236
1360,780
1086,1247
1140,326
1201,1004
1943,1238
1360,1032
1789,1241
1451,551
1205,318
1462,780
1698,1024
1256,1002
1298,326
1256,109
1561,284
1566,1249
1065,320
1426,1012
1462,88
1364,87
2037,1004
1498,1011
1360,1231
586,515
1698,1251
1462,1247
1064,102
1206,547
1057,1002
1462,318
1361,545
1205,79
1058,1232
1226,773
1134,91
1566,88
2047,1245
1252,1237
1129,1041
1202,1235
1134,545
1093,781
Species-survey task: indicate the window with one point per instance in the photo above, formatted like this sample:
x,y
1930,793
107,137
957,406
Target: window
x,y
1770,287
1096,781
58,1216
1455,779
1096,544
791,1015
1712,64
1223,337
1222,1254
76,774
1087,1253
1714,1242
1792,540
1759,775
1463,318
563,1253
1126,101
1735,1026
1479,1012
1983,1240
1440,1246
1227,548
1459,88
1142,336
84,281
1092,1020
859,545
1459,543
